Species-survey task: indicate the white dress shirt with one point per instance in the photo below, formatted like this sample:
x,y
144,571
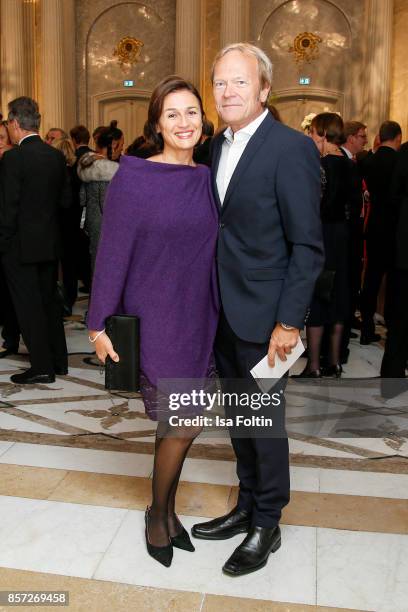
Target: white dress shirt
x,y
348,153
232,149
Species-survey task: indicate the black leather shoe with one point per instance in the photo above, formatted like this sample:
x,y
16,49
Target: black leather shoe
x,y
223,527
254,551
369,338
8,351
30,378
61,371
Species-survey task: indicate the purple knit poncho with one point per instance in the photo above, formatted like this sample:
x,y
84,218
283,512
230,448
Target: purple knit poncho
x,y
156,260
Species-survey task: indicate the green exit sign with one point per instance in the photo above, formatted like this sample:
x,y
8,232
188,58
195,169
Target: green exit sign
x,y
128,83
304,81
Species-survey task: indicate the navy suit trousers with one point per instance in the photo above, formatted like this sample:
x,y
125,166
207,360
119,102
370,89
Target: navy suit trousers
x,y
262,462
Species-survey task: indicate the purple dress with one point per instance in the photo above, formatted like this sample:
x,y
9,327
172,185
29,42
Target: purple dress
x,y
156,260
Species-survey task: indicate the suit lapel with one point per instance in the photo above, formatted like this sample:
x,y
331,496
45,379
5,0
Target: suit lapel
x,y
254,143
216,154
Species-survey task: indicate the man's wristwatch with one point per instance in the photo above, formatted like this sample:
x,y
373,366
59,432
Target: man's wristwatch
x,y
287,327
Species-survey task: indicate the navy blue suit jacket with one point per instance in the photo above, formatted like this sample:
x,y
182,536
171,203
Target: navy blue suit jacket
x,y
270,248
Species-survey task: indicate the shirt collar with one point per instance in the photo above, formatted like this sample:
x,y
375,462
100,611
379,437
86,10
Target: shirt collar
x,y
27,136
348,153
246,132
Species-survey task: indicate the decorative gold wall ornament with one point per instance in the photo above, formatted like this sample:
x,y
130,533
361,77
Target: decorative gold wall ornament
x,y
128,51
306,47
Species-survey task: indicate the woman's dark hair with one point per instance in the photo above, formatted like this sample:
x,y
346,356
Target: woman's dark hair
x,y
140,148
135,145
169,85
329,125
97,131
208,128
107,135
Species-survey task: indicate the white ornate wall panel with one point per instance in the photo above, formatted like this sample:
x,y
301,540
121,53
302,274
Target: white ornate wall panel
x,y
335,74
101,24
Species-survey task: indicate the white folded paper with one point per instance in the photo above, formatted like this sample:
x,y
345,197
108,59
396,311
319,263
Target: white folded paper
x,y
266,376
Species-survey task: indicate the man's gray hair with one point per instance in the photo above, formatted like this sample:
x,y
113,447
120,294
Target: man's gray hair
x,y
26,111
264,63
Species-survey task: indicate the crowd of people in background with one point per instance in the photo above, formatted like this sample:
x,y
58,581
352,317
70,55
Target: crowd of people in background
x,y
365,229
363,193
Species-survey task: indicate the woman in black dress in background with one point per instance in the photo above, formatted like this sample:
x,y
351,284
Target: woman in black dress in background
x,y
330,305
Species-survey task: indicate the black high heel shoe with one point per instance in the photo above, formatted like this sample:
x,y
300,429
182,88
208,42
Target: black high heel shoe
x,y
182,540
162,554
333,371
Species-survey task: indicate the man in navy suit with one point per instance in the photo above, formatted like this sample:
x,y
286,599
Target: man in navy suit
x,y
266,180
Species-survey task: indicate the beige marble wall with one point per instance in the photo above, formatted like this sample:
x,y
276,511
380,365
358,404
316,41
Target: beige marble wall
x,y
399,74
100,26
13,81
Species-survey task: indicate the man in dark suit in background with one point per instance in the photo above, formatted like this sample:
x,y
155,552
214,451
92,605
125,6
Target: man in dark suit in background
x,y
355,139
80,137
11,330
31,191
266,180
396,347
380,229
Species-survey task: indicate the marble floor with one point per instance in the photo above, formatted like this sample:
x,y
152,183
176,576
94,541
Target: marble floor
x,y
75,477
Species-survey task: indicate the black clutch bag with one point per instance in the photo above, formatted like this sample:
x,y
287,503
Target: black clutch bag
x,y
124,333
325,285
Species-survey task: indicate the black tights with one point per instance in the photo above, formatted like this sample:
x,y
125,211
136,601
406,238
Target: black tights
x,y
314,341
171,448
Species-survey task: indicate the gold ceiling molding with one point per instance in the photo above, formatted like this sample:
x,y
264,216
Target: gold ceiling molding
x,y
128,51
306,47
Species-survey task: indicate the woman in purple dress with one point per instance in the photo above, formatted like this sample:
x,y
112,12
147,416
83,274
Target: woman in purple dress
x,y
156,260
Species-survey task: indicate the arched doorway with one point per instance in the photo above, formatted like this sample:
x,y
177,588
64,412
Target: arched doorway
x,y
130,111
295,104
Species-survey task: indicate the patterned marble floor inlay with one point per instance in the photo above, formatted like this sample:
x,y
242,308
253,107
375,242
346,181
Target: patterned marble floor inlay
x,y
75,477
78,412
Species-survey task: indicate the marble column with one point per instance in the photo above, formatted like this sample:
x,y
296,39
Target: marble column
x,y
70,88
378,62
399,62
12,52
234,21
188,40
29,33
57,63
